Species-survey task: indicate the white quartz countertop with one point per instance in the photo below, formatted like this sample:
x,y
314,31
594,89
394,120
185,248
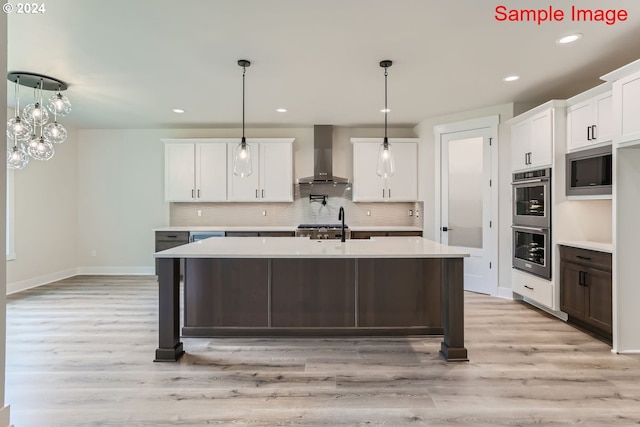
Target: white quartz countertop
x,y
593,246
303,247
281,228
228,228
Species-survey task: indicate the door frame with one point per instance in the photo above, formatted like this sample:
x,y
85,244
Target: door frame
x,y
492,123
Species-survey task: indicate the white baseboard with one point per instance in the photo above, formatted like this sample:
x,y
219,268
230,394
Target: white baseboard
x,y
4,417
118,271
559,314
505,293
625,351
34,282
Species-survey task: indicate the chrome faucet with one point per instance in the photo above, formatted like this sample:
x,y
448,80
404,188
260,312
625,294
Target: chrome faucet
x,y
341,218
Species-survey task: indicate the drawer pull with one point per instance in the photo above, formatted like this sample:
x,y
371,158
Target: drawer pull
x,y
528,287
172,237
582,278
586,258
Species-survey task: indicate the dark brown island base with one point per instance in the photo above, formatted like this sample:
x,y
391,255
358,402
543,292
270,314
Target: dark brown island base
x,y
302,287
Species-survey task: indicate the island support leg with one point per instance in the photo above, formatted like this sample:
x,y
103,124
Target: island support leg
x,y
169,347
452,274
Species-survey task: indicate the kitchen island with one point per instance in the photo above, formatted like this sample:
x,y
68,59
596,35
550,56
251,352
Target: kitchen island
x,y
261,286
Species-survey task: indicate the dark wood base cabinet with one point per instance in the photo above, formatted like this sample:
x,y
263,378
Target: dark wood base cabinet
x,y
585,289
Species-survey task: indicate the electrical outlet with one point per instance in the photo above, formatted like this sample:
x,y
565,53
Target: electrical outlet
x,y
417,213
410,212
94,252
264,212
368,213
199,212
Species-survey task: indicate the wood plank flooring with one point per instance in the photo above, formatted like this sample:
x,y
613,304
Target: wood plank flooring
x,y
80,351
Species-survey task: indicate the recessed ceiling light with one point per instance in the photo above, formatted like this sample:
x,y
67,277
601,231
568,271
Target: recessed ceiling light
x,y
178,110
385,110
281,110
511,78
569,39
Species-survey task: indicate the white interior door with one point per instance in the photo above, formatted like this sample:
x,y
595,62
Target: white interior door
x,y
466,204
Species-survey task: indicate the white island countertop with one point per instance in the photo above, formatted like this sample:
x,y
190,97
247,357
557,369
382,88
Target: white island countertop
x,y
280,228
303,247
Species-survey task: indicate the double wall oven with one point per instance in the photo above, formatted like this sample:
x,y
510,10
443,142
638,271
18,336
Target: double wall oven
x,y
532,222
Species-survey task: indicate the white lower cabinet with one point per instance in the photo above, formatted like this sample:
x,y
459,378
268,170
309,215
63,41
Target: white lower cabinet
x,y
272,177
195,171
369,187
533,287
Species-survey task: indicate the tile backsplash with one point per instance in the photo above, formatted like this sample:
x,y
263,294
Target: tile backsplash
x,y
302,210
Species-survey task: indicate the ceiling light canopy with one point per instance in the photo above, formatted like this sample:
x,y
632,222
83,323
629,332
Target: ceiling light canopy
x,y
386,164
32,134
569,39
242,160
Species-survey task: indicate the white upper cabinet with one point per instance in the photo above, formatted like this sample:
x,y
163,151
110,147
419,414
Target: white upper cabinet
x,y
272,177
590,122
626,94
369,187
195,171
532,142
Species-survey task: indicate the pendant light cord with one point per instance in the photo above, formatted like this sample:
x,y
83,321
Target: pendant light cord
x,y
244,71
385,105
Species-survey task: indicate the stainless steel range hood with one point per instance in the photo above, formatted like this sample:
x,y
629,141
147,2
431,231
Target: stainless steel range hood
x,y
323,158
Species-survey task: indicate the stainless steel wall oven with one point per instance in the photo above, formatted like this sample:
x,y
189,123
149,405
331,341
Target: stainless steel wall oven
x,y
532,222
532,250
532,198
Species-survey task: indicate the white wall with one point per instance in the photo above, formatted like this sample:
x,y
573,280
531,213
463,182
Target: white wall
x,y
426,178
121,187
45,216
4,410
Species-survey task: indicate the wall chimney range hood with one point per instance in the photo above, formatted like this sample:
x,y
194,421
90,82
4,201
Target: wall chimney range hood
x,y
323,158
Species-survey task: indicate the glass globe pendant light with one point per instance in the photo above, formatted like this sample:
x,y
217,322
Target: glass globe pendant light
x,y
36,113
59,104
242,158
16,157
17,128
55,132
34,121
386,165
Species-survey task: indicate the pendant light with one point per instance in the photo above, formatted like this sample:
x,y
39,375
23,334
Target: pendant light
x,y
242,159
386,165
32,135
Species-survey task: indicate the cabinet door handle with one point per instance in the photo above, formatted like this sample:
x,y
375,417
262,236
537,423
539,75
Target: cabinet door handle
x,y
588,133
192,196
593,132
582,278
383,193
263,193
198,193
528,287
256,193
389,193
587,258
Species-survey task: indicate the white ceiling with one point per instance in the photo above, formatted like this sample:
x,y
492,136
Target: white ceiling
x,y
130,62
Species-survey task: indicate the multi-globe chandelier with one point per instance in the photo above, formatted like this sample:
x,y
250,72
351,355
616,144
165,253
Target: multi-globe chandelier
x,y
32,134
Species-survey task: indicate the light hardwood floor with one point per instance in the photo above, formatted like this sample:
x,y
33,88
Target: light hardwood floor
x,y
79,353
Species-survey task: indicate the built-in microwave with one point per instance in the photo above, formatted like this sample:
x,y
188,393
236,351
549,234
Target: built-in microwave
x,y
589,172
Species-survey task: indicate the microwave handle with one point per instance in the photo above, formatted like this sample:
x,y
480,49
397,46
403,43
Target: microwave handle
x,y
530,181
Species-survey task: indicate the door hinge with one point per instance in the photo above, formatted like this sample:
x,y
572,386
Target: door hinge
x,y
490,141
489,265
490,224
